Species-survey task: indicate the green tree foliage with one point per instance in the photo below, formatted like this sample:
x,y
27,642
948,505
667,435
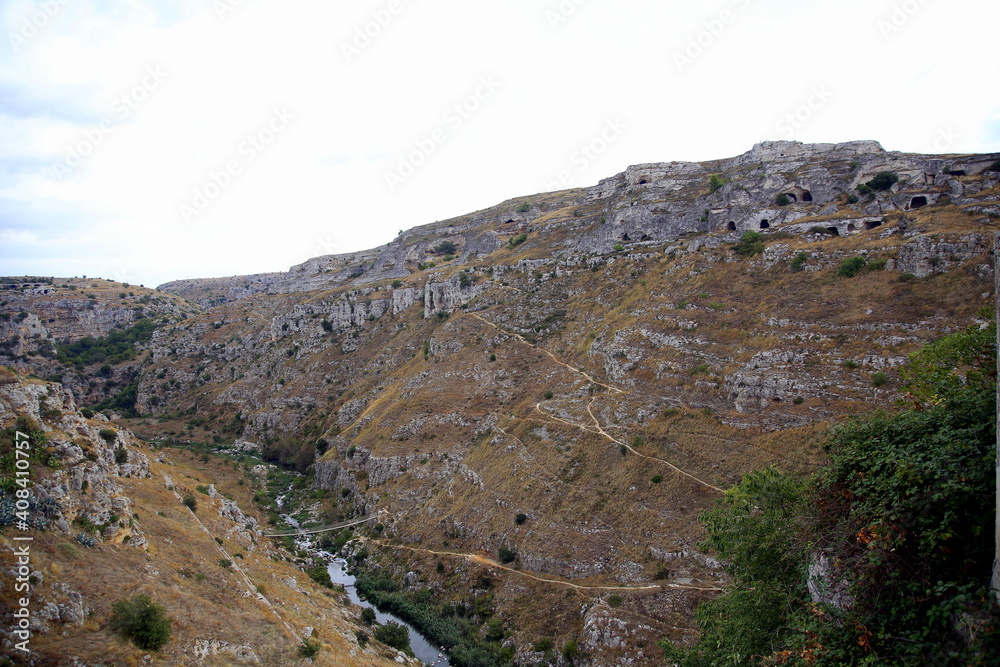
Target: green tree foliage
x,y
321,576
141,621
715,182
903,511
882,181
750,244
116,347
517,240
753,528
445,248
394,635
782,200
851,267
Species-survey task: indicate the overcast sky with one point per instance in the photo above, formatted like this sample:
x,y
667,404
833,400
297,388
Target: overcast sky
x,y
147,142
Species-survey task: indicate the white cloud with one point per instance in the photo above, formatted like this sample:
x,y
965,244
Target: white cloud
x,y
321,183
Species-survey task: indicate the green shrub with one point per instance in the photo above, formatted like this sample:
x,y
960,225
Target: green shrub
x,y
520,518
309,649
445,248
524,207
615,601
108,435
548,395
394,635
798,262
877,265
750,244
879,379
851,266
116,347
190,502
715,182
321,576
994,167
141,621
543,645
225,563
853,198
518,240
618,247
570,650
657,479
782,200
882,181
507,555
900,510
368,616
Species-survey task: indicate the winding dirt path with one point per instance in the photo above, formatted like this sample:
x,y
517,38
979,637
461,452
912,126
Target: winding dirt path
x,y
483,560
552,356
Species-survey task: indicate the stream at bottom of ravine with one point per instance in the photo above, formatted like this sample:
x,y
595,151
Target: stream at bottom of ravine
x,y
423,649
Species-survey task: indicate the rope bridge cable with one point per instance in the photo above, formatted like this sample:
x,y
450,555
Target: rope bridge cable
x,y
324,529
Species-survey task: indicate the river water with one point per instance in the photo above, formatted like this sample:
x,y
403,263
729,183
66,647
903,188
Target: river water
x,y
421,647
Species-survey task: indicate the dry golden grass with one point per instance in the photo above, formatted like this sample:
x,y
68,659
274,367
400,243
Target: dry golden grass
x,y
180,570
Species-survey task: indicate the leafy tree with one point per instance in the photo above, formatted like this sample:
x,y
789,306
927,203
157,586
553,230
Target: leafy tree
x,y
394,635
445,248
904,515
782,200
141,621
753,528
715,182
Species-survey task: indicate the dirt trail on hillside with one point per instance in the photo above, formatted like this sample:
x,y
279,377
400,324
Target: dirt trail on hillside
x,y
554,357
596,428
483,560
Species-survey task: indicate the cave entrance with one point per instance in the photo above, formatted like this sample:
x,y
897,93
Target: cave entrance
x,y
765,224
872,224
807,196
731,226
833,231
918,202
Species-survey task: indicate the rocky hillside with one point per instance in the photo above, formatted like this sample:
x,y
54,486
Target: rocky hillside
x,y
548,392
106,521
40,316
